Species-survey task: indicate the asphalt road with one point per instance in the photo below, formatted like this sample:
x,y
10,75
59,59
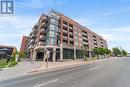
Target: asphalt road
x,y
110,73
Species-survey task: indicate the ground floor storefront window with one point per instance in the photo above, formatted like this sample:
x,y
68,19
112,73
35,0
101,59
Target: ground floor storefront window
x,y
68,53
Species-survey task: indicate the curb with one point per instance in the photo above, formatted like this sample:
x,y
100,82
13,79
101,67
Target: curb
x,y
63,67
52,69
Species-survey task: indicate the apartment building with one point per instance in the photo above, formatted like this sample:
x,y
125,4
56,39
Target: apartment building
x,y
62,37
23,44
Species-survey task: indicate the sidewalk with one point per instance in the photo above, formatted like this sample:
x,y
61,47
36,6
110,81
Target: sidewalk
x,y
27,67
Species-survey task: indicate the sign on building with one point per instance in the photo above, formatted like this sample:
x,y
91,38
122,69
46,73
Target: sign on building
x,y
6,7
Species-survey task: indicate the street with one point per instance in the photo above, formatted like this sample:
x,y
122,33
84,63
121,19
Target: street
x,y
110,73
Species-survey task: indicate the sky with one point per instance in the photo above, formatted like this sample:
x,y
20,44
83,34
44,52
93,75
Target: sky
x,y
108,18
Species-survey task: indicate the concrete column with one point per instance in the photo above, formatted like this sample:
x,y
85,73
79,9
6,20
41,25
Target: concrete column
x,y
34,55
61,52
54,55
31,55
44,55
74,53
90,54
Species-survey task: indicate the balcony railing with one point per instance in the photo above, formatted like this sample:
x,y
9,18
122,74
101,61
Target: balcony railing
x,y
84,33
32,41
71,39
95,42
85,38
70,33
43,24
86,43
31,46
65,31
42,37
65,38
42,31
41,43
32,36
71,28
65,25
65,44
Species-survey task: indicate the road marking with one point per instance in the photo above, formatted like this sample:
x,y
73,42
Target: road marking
x,y
42,84
94,68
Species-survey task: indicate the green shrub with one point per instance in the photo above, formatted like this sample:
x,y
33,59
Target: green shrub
x,y
2,63
13,63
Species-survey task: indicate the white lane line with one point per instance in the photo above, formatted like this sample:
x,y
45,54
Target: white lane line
x,y
94,68
42,84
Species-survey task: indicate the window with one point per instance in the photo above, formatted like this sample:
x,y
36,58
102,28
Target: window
x,y
52,40
53,14
52,34
64,22
53,21
53,27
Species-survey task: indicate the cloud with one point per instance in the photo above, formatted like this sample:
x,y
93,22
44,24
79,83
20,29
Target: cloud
x,y
124,29
115,11
14,27
84,21
117,36
127,9
108,12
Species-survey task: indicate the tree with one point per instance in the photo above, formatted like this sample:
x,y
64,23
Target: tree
x,y
116,51
96,52
124,53
84,51
101,51
107,51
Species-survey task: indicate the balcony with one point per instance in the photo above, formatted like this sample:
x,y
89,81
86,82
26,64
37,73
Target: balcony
x,y
85,38
65,44
54,16
71,39
42,31
95,42
41,37
32,36
71,33
34,30
30,47
71,28
64,22
65,31
94,39
43,24
65,25
101,45
95,45
44,19
30,33
65,28
86,43
32,41
65,38
41,43
85,35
